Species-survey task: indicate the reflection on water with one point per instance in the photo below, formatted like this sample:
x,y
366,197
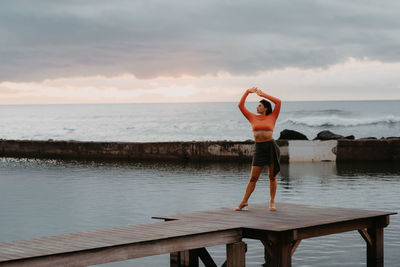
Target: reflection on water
x,y
370,169
48,197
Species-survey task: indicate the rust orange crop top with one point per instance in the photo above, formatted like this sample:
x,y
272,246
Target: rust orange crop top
x,y
261,122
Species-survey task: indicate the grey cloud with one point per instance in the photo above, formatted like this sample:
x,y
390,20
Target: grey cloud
x,y
49,39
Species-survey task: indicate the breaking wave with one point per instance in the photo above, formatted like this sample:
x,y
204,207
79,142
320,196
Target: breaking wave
x,y
336,121
319,112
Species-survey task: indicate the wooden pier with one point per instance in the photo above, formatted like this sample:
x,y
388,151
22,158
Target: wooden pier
x,y
186,236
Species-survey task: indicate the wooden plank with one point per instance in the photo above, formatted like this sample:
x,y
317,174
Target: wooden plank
x,y
255,234
333,228
287,217
50,245
98,239
284,206
291,221
24,248
125,252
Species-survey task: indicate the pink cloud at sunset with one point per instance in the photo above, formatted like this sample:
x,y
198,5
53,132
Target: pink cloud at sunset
x,y
352,79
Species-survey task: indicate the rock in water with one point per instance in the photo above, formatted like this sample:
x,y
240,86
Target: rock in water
x,y
291,135
328,135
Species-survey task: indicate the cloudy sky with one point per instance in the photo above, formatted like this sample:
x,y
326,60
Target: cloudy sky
x,y
101,51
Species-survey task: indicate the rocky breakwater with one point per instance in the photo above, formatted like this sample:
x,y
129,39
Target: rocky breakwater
x,y
328,146
131,151
294,146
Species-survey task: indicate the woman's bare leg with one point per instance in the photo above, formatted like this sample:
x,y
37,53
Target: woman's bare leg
x,y
255,174
272,187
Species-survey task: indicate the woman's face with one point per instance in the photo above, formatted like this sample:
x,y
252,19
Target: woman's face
x,y
261,109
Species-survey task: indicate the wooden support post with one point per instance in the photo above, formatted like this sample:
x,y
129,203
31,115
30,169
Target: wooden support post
x,y
375,251
174,259
187,258
236,254
267,251
282,251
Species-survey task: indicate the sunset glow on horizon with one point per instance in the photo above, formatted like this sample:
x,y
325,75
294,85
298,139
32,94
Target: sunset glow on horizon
x,y
289,84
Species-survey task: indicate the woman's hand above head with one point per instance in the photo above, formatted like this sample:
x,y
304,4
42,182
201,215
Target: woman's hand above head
x,y
259,92
252,90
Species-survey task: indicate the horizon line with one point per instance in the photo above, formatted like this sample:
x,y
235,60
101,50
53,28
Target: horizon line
x,y
192,102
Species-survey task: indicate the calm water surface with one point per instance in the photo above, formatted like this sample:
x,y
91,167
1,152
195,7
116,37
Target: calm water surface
x,y
48,197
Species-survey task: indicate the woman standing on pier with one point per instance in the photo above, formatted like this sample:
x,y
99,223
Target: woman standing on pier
x,y
266,150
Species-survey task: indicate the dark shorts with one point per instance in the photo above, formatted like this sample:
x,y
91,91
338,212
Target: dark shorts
x,y
266,153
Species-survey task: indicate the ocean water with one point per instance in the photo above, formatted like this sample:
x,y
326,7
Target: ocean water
x,y
193,121
49,197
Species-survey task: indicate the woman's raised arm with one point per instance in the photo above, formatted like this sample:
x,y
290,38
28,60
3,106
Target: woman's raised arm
x,y
241,105
276,101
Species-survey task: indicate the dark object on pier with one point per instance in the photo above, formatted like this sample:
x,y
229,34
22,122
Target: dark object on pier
x,y
370,138
392,137
292,135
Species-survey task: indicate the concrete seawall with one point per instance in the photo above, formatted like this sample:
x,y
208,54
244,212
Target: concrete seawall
x,y
291,150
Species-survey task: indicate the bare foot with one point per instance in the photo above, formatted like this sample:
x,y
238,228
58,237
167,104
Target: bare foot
x,y
241,206
272,206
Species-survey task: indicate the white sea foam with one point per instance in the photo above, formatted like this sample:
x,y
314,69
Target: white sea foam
x,y
192,121
334,120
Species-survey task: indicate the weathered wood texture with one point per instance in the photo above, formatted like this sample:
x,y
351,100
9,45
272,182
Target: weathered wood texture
x,y
375,250
117,244
303,218
186,235
281,231
235,254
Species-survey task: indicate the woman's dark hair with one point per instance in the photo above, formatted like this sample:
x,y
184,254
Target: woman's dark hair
x,y
267,105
